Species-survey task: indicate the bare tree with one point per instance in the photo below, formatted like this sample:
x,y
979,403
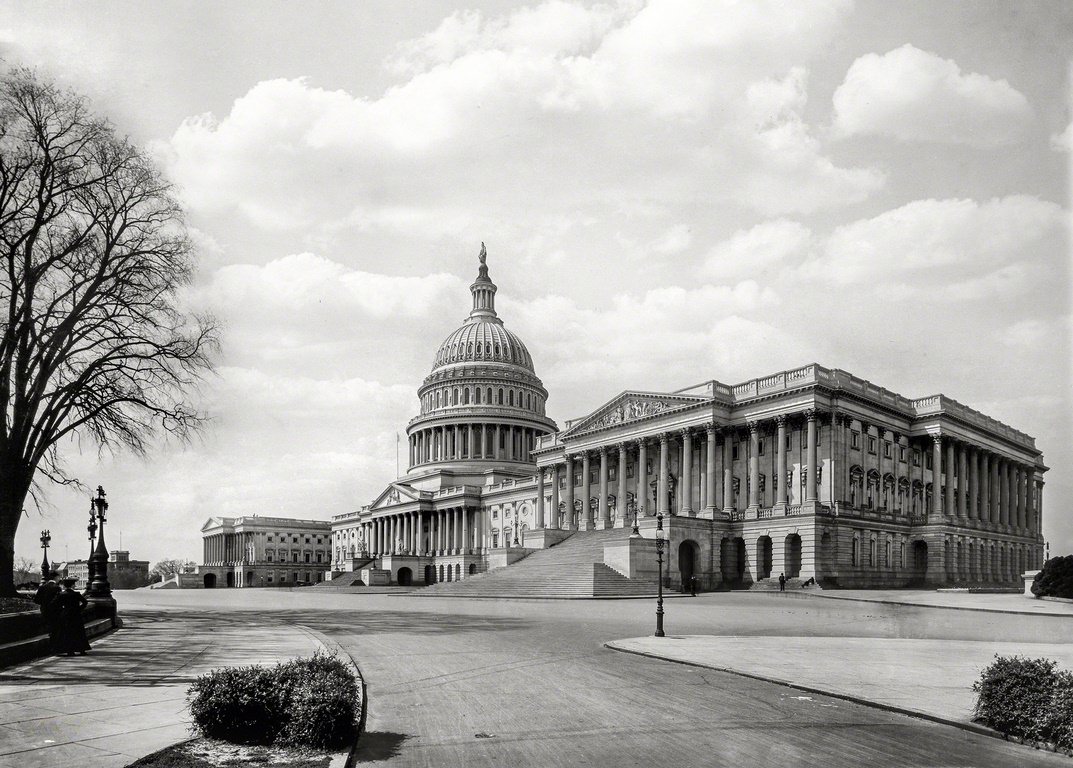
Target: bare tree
x,y
93,342
162,569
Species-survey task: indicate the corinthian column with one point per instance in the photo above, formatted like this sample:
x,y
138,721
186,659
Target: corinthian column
x,y
605,513
963,482
540,499
709,475
780,460
728,473
569,521
813,461
687,473
620,496
642,477
585,523
663,503
557,472
936,477
754,464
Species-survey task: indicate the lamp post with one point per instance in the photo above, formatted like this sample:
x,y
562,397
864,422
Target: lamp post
x,y
99,589
659,560
45,567
516,528
632,509
92,529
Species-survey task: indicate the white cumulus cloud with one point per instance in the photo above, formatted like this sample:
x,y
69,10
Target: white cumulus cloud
x,y
916,95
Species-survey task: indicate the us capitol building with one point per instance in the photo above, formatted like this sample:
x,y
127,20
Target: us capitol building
x,y
810,472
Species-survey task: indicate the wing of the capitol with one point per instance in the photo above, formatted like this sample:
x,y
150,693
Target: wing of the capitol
x,y
809,472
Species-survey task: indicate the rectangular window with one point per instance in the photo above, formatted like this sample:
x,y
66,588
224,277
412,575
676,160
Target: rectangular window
x,y
734,452
270,537
760,448
916,458
789,441
307,557
495,539
630,470
495,514
319,555
612,473
268,557
294,557
804,439
871,445
270,578
886,449
901,453
592,477
927,460
855,440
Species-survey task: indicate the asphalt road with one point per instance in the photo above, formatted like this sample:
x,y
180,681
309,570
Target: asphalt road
x,y
493,683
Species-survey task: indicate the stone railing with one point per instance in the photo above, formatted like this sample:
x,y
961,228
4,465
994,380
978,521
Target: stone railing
x,y
763,513
792,510
934,404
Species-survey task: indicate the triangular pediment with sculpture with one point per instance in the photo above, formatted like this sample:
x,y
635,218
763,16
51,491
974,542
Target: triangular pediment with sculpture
x,y
633,406
395,493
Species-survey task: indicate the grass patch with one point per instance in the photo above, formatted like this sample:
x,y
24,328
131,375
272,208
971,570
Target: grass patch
x,y
212,753
16,604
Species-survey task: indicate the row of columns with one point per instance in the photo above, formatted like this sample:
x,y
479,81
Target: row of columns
x,y
455,442
989,488
662,443
219,549
448,533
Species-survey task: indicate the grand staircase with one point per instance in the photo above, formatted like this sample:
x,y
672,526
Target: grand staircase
x,y
572,569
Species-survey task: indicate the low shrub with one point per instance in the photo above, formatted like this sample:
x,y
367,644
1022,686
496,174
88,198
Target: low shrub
x,y
1060,722
1014,695
305,702
1055,579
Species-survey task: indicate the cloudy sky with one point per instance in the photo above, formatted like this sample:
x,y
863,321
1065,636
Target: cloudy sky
x,y
670,192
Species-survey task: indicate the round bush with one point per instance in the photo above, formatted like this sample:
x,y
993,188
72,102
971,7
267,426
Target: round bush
x,y
1014,696
1055,579
308,702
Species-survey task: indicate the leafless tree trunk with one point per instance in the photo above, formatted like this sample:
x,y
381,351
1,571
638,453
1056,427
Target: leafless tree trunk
x,y
93,249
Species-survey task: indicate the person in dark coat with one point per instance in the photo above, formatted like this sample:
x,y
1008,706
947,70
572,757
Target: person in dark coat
x,y
70,636
46,593
693,585
782,582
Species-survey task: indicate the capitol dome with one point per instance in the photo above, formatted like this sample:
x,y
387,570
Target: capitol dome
x,y
482,401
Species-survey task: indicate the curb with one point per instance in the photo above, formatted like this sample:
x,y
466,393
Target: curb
x,y
327,642
1006,611
965,726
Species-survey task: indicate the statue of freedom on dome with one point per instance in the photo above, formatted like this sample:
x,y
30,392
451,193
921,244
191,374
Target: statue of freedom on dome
x,y
483,256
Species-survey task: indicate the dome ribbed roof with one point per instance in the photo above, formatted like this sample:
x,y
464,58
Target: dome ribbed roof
x,y
482,338
482,341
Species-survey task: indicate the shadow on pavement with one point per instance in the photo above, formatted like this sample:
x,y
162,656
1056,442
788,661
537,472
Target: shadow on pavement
x,y
378,745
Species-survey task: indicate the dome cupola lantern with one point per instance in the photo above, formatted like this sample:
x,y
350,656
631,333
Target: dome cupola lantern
x,y
484,292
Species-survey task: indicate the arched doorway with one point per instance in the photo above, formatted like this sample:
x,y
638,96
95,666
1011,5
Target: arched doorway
x,y
210,581
430,574
458,572
405,577
920,561
230,578
792,557
763,557
472,568
450,573
441,574
687,562
740,559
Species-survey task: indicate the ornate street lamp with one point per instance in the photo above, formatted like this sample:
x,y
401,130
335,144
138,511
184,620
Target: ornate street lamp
x,y
516,529
92,528
45,567
99,589
659,559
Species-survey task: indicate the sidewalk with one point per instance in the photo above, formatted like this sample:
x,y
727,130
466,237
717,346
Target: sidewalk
x,y
127,697
967,601
929,678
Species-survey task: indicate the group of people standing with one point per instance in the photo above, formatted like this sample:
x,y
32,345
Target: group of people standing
x,y
61,610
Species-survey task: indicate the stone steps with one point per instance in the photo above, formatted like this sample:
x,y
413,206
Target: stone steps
x,y
573,568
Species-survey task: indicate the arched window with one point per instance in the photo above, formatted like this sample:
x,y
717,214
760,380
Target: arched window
x,y
465,396
489,394
477,395
528,400
855,552
872,550
500,400
887,550
510,397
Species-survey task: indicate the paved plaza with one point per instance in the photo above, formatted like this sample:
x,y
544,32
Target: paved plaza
x,y
493,683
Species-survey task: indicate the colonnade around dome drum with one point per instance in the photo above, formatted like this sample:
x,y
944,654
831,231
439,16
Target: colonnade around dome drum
x,y
465,442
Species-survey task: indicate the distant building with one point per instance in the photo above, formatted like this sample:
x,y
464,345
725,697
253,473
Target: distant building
x,y
258,551
123,573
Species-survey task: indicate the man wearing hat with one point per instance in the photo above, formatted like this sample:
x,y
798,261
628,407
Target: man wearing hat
x,y
46,593
70,635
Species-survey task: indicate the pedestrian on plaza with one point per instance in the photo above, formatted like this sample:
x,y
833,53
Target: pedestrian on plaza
x,y
782,582
693,585
70,635
46,593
